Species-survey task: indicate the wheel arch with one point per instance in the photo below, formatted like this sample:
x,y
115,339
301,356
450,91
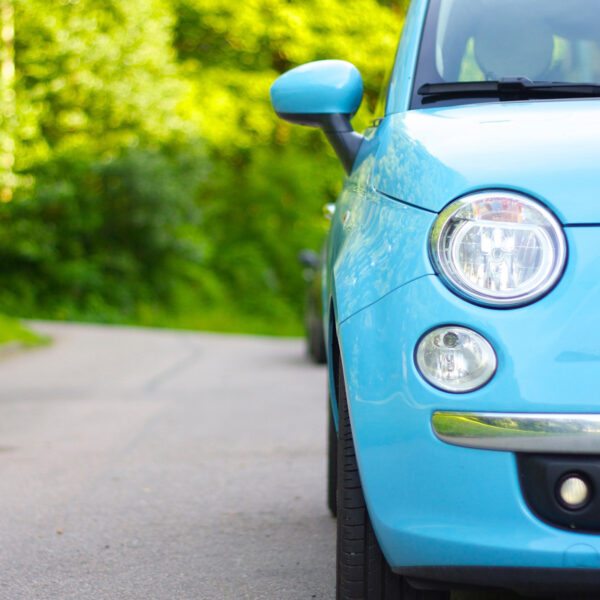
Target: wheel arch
x,y
334,358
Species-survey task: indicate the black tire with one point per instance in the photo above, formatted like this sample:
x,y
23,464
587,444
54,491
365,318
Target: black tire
x,y
362,571
331,462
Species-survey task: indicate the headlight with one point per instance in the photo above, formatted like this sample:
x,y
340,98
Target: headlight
x,y
498,248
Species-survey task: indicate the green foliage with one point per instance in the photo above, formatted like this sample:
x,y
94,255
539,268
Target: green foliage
x,y
99,238
234,51
94,76
265,202
269,210
120,213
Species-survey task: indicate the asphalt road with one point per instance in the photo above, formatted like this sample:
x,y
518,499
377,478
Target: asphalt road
x,y
157,465
142,464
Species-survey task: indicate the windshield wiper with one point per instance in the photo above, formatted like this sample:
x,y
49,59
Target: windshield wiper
x,y
518,88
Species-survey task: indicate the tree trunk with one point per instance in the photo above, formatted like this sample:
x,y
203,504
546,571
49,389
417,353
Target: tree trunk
x,y
8,110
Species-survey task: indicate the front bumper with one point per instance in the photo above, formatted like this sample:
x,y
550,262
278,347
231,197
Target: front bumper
x,y
435,505
520,432
573,583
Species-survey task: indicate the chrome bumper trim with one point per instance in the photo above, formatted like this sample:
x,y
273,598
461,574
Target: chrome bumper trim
x,y
520,432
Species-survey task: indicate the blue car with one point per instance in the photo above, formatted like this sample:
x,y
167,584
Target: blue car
x,y
461,303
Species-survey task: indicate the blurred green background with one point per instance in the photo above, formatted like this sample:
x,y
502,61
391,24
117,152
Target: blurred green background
x,y
144,178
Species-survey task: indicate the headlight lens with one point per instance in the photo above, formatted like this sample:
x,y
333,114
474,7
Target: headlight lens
x,y
455,359
498,248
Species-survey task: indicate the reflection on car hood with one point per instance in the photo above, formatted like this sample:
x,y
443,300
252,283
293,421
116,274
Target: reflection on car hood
x,y
548,149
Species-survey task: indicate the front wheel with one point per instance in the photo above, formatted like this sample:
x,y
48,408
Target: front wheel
x,y
362,571
331,462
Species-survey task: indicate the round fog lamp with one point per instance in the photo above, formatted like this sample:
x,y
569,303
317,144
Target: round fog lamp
x,y
455,359
574,491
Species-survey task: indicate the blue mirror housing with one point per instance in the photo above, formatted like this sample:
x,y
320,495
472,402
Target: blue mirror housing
x,y
322,87
324,94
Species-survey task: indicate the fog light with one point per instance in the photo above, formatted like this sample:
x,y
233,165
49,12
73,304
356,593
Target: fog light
x,y
574,492
455,359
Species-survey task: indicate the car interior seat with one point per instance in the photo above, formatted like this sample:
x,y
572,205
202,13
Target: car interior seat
x,y
513,48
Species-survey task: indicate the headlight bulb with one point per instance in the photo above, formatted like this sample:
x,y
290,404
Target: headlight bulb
x,y
498,248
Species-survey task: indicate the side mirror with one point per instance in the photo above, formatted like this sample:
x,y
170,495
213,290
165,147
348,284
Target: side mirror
x,y
324,94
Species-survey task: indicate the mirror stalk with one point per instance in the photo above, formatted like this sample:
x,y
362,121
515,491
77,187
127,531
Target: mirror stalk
x,y
338,131
344,140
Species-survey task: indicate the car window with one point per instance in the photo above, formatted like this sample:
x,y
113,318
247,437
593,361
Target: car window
x,y
488,40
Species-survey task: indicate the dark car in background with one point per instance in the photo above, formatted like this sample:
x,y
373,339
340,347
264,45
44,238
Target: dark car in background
x,y
313,312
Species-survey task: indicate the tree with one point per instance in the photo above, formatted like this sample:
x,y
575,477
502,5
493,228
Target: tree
x,y
94,76
8,110
264,202
108,169
115,215
234,51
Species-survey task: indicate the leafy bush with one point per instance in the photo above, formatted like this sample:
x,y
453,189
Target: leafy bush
x,y
267,212
96,239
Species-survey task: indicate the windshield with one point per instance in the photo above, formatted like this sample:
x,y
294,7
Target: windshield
x,y
489,40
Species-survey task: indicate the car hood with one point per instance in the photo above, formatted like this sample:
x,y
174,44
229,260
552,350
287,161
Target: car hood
x,y
547,149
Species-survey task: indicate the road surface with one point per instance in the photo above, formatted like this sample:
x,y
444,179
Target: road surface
x,y
154,465
148,464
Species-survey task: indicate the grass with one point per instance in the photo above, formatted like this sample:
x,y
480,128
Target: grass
x,y
11,330
186,313
224,321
